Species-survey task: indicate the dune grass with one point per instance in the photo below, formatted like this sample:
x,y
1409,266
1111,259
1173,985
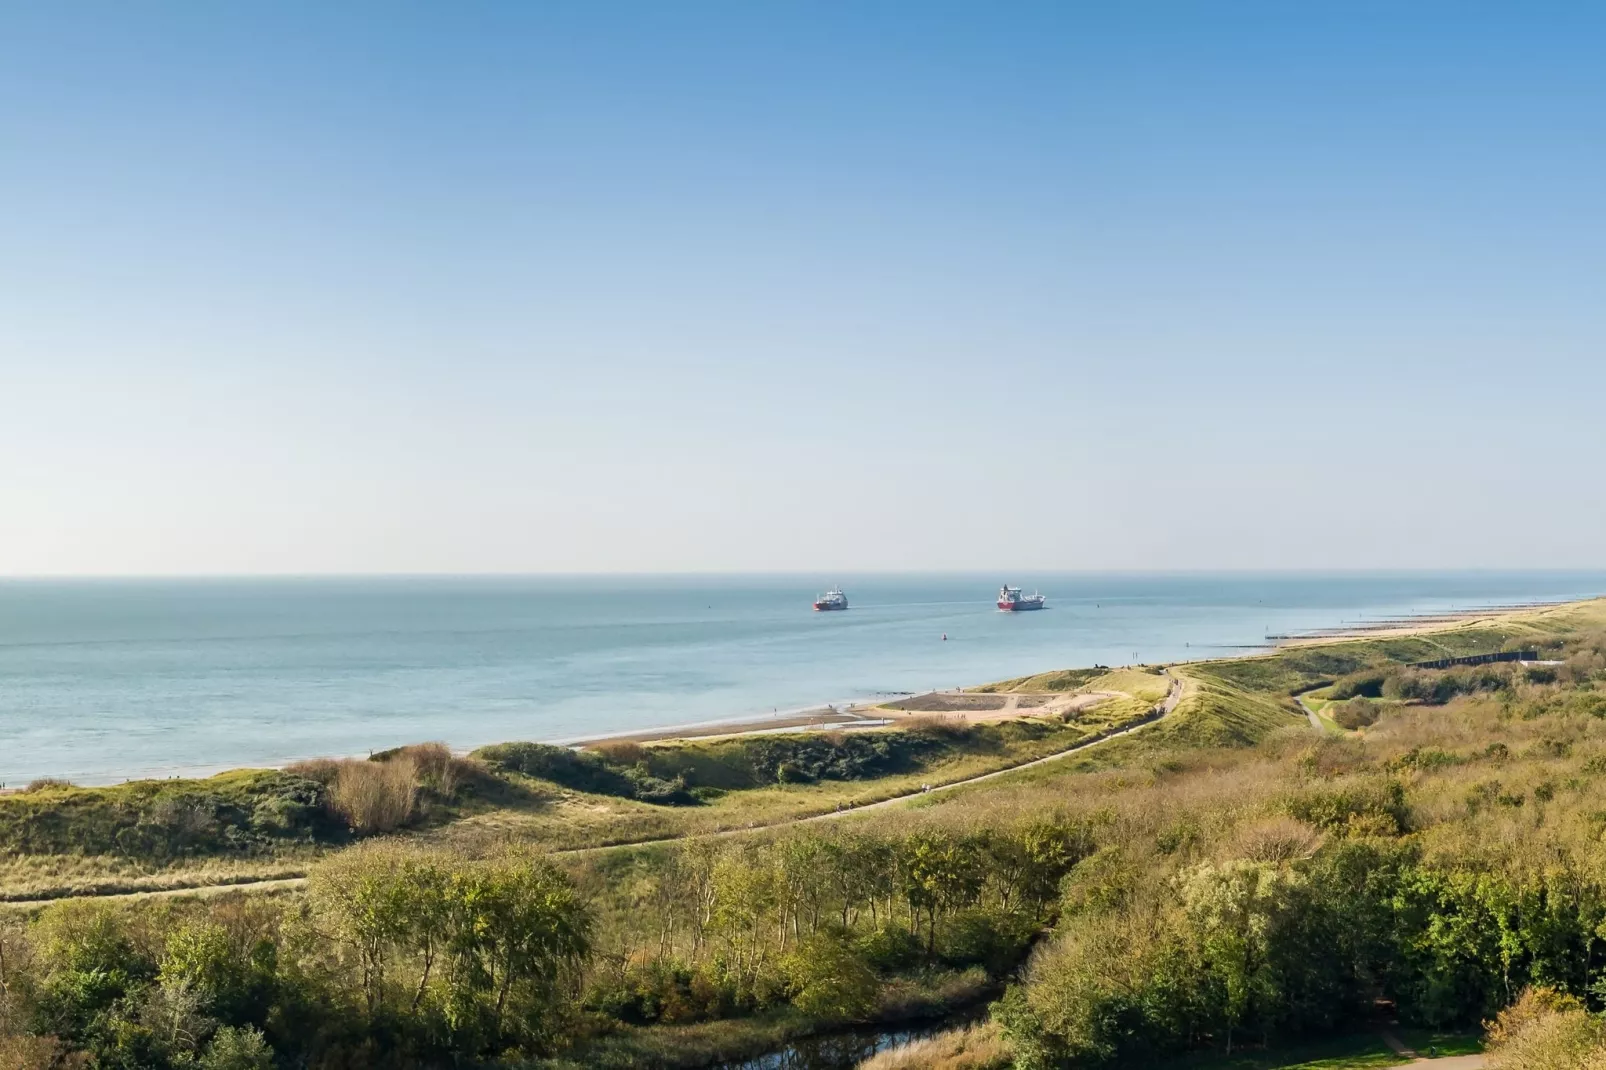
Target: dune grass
x,y
569,820
1057,680
1141,685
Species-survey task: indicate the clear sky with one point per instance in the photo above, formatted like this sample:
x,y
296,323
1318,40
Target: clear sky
x,y
312,287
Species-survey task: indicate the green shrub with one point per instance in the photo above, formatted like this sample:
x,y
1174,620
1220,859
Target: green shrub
x,y
830,979
1376,804
159,820
890,949
585,771
1353,714
1365,684
994,941
242,1048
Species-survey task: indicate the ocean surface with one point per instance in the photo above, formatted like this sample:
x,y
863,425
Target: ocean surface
x,y
106,679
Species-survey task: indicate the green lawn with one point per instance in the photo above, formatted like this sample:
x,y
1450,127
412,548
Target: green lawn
x,y
1442,1044
1356,1052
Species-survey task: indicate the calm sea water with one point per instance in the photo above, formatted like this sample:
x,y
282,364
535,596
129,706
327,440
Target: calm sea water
x,y
104,679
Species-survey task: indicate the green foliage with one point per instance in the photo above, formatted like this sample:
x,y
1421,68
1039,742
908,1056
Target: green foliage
x,y
229,982
585,771
1059,680
830,979
1375,804
486,948
1365,684
243,1048
890,949
158,820
991,939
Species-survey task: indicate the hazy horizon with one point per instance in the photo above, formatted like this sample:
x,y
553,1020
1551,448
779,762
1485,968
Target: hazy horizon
x,y
1012,574
719,288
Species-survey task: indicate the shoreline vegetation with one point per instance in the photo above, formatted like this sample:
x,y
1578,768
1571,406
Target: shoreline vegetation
x,y
680,902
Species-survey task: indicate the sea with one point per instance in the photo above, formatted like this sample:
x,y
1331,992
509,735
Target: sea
x,y
103,680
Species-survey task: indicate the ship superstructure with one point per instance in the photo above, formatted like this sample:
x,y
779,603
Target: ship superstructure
x,y
832,599
1010,598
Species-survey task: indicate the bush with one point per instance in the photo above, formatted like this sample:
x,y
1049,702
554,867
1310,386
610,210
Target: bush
x,y
434,764
1353,714
803,759
375,797
995,942
1364,684
831,980
1545,1030
660,991
577,770
160,820
242,1048
620,751
587,771
1373,804
890,949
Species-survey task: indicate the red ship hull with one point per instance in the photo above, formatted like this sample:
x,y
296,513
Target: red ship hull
x,y
1021,607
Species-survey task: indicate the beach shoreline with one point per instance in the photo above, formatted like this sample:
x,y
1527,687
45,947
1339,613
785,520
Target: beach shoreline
x,y
877,711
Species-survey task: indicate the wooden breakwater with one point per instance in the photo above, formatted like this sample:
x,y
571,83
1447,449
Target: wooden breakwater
x,y
1478,659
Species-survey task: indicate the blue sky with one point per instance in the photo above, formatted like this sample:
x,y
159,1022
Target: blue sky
x,y
642,287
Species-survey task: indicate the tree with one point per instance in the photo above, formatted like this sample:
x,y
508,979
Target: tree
x,y
830,980
1233,908
516,931
230,983
359,895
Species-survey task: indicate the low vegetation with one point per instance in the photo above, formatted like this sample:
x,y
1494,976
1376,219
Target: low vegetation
x,y
161,820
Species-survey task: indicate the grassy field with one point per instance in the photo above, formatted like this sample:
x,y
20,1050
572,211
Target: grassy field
x,y
1145,686
1058,680
1359,1051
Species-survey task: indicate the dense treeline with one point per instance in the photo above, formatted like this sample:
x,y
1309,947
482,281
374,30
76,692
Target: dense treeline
x,y
392,959
403,957
1442,862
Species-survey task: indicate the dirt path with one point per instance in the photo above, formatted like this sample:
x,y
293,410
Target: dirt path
x,y
1173,697
272,884
1164,709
